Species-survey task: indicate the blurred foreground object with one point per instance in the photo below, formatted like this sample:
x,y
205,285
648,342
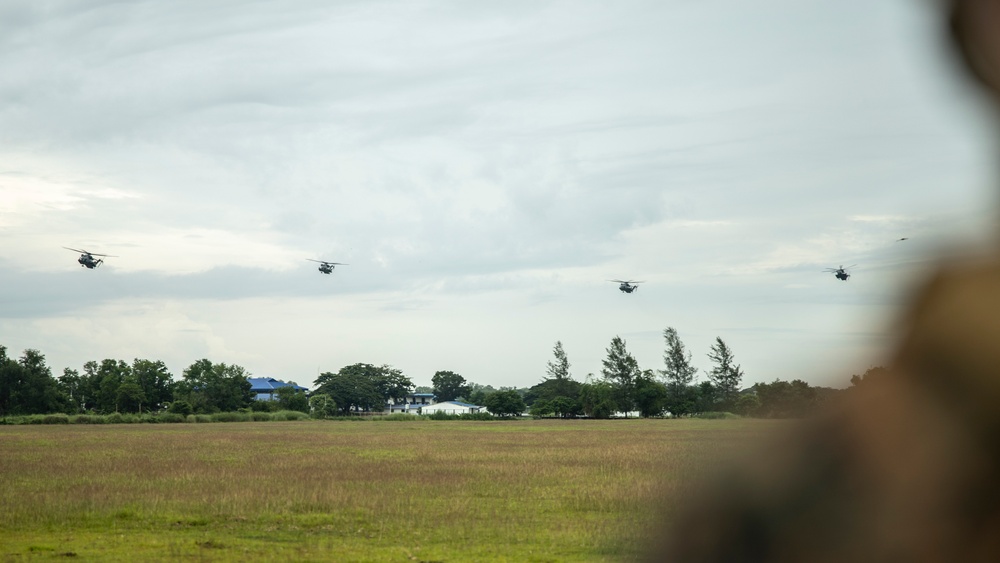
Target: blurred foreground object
x,y
909,470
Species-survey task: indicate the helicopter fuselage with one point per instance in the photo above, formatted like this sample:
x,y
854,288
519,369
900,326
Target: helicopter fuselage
x,y
89,262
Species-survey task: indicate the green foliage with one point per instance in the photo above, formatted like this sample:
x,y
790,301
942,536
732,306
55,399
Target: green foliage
x,y
679,374
782,399
323,406
172,418
289,415
260,405
725,375
598,399
715,415
292,399
505,403
871,375
130,396
212,387
621,370
27,386
650,395
181,407
363,387
448,386
155,381
478,393
230,417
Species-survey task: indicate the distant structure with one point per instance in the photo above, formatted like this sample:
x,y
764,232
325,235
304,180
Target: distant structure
x,y
265,388
410,404
452,407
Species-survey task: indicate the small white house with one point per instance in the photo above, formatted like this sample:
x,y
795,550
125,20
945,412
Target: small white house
x,y
452,407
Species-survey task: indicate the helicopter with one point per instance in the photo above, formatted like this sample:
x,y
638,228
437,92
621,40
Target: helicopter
x,y
627,286
841,272
327,267
87,259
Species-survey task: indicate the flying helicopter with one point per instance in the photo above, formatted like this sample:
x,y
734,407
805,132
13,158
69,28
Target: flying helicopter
x,y
87,259
327,267
841,272
627,286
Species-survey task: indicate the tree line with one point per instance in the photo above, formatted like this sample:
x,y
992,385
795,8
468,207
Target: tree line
x,y
27,386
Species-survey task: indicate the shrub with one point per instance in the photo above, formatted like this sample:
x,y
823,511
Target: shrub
x,y
59,418
113,418
200,418
181,407
714,415
83,419
260,406
229,417
172,417
476,416
290,415
130,419
260,416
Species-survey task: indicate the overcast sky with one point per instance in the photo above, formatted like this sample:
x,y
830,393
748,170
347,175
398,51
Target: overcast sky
x,y
484,168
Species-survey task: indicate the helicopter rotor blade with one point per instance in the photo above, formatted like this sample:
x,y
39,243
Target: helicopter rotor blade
x,y
76,250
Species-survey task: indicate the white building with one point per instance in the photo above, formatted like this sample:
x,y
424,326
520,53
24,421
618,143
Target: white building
x,y
452,407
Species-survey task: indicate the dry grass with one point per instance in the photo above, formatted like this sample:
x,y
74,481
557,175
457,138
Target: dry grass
x,y
376,491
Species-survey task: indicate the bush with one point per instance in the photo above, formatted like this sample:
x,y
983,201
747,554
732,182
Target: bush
x,y
261,406
290,415
113,418
229,417
130,419
171,417
715,415
59,418
199,418
180,407
260,416
477,416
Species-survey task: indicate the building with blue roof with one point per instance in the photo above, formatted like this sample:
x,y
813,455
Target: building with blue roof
x,y
265,388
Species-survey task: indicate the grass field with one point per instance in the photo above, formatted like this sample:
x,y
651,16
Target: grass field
x,y
580,490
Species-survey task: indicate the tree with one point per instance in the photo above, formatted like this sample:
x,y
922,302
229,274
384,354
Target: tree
x,y
27,385
505,403
650,395
292,399
449,386
322,405
621,369
679,375
478,393
212,387
155,381
130,397
725,375
353,388
597,399
678,371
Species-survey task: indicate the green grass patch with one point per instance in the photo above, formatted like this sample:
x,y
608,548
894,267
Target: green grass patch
x,y
545,490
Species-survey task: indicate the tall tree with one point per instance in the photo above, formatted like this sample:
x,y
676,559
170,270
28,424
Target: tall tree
x,y
679,375
726,375
449,386
678,371
621,369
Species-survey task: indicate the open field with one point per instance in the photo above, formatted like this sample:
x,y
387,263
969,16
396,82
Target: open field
x,y
581,490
